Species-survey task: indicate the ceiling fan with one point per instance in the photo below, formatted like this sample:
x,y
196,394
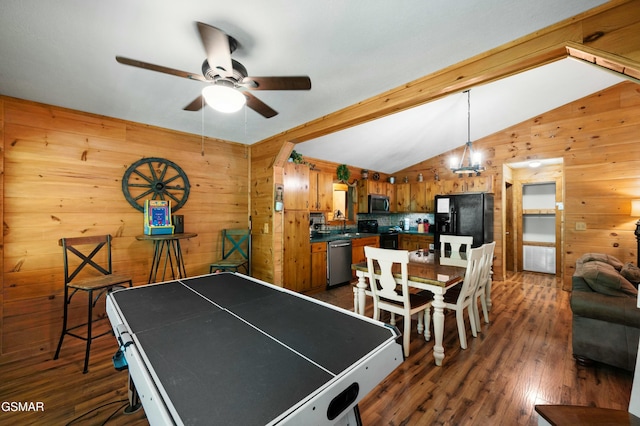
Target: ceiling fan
x,y
229,83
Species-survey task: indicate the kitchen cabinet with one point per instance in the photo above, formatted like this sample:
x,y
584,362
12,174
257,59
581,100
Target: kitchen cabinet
x,y
418,197
363,195
357,249
318,266
403,197
413,242
296,187
415,197
320,191
296,262
370,186
482,183
422,194
391,193
418,193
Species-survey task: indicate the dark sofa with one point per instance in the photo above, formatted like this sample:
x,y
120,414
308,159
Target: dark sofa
x,y
606,317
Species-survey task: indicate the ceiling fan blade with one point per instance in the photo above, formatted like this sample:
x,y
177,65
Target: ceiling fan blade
x,y
258,106
195,105
277,83
160,68
216,44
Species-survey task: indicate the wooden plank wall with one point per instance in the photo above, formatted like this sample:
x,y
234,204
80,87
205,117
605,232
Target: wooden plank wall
x,y
62,178
597,138
265,222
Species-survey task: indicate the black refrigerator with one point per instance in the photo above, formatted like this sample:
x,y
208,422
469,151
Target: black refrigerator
x,y
464,214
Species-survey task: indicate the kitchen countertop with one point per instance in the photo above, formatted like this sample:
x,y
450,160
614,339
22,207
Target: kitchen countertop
x,y
349,235
411,231
334,236
414,231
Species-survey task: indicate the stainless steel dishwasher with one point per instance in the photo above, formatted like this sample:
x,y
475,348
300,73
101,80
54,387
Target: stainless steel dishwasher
x,y
338,262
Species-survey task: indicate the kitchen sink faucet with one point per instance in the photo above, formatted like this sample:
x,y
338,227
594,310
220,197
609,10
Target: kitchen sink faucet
x,y
339,215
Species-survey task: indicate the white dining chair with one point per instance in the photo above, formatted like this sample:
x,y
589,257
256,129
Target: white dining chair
x,y
455,244
392,294
460,297
484,281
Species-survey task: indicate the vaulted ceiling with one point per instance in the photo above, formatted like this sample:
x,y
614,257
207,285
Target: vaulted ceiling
x,y
63,53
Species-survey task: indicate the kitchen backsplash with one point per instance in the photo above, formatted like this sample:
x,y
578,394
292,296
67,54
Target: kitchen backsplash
x,y
394,219
318,222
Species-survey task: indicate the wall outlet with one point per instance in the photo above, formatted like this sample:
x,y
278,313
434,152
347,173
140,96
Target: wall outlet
x,y
265,228
581,226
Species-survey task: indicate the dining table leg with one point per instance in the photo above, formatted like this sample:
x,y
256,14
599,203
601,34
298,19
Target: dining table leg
x,y
438,327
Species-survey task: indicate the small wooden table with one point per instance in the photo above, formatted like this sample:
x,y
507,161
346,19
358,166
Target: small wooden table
x,y
569,415
427,271
167,247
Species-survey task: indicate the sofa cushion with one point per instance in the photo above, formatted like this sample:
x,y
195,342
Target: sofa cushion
x,y
599,257
631,273
618,310
605,279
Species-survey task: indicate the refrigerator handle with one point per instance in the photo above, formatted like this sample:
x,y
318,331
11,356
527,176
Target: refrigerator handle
x,y
454,213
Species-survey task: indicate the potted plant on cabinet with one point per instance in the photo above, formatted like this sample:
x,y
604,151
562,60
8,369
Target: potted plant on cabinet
x,y
296,157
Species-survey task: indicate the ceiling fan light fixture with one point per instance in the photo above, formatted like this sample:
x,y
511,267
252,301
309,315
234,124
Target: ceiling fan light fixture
x,y
223,98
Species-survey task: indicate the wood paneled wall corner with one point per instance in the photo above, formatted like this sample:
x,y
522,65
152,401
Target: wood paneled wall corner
x,y
267,224
63,173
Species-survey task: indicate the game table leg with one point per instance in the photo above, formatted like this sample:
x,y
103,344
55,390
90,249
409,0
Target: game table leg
x,y
134,398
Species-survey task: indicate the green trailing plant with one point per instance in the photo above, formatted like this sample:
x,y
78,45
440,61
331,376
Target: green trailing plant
x,y
343,173
296,157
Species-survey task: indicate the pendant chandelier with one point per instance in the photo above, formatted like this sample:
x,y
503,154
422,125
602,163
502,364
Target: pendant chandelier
x,y
473,158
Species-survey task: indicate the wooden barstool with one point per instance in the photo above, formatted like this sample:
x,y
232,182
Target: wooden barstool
x,y
101,281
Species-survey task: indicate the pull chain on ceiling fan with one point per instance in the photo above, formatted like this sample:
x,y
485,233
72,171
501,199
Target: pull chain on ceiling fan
x,y
229,84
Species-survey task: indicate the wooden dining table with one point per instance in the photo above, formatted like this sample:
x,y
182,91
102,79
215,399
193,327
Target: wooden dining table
x,y
428,270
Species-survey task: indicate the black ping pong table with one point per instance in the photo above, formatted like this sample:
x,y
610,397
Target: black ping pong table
x,y
230,349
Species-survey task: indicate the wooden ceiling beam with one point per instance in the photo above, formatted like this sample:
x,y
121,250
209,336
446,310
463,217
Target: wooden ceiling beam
x,y
597,26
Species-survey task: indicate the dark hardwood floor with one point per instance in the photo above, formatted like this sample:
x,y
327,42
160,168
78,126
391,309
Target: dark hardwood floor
x,y
522,358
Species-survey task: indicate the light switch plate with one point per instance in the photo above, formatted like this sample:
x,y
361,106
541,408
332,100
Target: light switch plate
x,y
581,226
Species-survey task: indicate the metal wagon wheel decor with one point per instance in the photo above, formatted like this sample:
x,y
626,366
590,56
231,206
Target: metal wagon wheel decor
x,y
155,179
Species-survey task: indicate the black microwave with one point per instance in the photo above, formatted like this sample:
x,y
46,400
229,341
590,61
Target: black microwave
x,y
378,203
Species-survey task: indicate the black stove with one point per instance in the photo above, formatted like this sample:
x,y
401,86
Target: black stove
x,y
388,238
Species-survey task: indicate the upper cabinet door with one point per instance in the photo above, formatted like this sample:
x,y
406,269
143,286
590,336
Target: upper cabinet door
x,y
325,192
320,191
296,186
403,197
